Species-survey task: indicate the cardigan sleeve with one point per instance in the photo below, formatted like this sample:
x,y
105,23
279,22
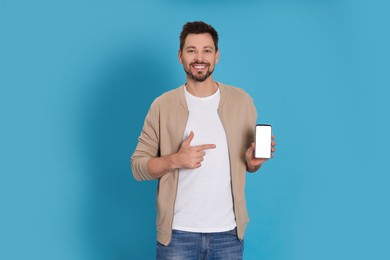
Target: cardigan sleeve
x,y
148,144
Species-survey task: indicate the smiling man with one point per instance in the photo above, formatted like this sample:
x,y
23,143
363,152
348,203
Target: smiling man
x,y
197,141
202,63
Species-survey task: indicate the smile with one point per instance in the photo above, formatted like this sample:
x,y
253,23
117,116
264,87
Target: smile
x,y
199,66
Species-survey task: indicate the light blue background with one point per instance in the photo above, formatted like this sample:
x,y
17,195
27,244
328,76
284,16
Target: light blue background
x,y
77,79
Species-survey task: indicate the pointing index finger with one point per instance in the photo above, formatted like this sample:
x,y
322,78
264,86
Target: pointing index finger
x,y
205,147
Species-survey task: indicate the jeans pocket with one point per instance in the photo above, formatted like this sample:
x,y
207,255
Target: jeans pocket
x,y
160,245
233,232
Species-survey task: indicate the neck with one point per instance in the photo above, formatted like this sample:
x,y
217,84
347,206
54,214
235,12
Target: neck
x,y
201,89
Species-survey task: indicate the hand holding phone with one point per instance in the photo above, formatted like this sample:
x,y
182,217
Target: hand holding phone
x,y
263,139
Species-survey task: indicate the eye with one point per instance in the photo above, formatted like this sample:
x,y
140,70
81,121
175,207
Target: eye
x,y
190,51
207,51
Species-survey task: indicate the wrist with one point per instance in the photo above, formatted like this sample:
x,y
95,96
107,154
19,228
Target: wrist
x,y
172,161
252,168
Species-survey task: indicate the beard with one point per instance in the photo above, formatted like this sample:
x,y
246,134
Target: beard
x,y
198,77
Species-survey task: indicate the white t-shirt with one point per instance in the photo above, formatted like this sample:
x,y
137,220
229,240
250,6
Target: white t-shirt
x,y
204,201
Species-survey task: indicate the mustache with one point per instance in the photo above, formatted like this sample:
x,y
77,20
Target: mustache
x,y
199,63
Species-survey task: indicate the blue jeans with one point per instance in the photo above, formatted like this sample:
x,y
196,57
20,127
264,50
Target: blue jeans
x,y
202,246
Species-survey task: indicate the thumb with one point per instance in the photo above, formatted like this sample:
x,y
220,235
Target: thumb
x,y
188,140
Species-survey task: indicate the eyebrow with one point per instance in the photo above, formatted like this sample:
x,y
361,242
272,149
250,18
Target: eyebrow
x,y
205,47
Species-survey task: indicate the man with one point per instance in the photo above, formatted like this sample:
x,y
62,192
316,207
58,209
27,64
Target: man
x,y
197,140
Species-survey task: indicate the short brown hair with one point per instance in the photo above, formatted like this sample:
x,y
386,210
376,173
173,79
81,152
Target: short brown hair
x,y
198,27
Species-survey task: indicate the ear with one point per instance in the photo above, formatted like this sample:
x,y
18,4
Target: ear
x,y
179,56
217,56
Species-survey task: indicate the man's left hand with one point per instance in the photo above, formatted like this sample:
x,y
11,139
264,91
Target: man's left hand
x,y
252,163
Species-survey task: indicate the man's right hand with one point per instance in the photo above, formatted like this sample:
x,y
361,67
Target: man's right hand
x,y
188,157
191,157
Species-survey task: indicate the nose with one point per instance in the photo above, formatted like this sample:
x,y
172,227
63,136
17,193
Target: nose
x,y
199,57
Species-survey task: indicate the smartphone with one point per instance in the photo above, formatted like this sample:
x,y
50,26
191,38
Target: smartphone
x,y
263,141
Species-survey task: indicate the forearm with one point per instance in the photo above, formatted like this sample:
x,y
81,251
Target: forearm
x,y
159,166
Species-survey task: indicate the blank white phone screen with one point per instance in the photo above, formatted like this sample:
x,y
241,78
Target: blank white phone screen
x,y
263,141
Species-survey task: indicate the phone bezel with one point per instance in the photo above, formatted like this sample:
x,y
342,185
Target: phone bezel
x,y
270,141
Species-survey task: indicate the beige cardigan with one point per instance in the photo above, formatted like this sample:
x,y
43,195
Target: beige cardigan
x,y
162,135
